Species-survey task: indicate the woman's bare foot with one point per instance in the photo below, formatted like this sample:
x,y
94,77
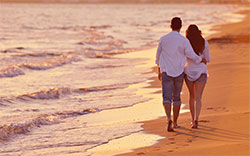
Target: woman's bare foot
x,y
176,125
195,124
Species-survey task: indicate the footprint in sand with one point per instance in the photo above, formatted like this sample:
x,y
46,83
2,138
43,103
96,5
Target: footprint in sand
x,y
204,121
218,109
210,108
140,153
170,138
170,151
189,140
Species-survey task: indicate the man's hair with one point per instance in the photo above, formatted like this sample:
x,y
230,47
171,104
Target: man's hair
x,y
176,23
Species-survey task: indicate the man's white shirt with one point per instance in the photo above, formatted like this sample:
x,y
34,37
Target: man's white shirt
x,y
172,52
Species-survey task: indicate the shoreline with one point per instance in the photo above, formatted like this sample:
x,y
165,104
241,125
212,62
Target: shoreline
x,y
220,132
170,140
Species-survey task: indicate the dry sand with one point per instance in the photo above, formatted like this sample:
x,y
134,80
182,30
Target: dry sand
x,y
224,120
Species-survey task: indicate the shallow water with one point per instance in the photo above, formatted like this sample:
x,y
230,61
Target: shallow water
x,y
59,68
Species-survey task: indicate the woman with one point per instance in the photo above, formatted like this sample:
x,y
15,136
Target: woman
x,y
196,74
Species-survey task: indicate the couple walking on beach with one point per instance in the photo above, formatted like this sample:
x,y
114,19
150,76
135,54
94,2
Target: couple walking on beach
x,y
172,53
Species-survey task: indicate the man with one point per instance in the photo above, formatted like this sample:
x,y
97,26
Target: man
x,y
171,57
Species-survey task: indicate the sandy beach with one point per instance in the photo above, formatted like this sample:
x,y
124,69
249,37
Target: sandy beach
x,y
224,121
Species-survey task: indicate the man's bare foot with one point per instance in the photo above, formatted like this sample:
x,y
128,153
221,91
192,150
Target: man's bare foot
x,y
170,128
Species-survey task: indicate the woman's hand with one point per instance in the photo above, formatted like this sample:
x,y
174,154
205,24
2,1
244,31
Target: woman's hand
x,y
204,61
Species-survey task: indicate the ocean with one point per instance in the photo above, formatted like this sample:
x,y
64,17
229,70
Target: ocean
x,y
60,68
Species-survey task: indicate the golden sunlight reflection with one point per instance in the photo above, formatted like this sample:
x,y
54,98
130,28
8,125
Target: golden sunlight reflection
x,y
125,144
149,110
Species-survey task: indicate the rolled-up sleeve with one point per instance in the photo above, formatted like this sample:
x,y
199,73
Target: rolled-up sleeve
x,y
189,52
158,53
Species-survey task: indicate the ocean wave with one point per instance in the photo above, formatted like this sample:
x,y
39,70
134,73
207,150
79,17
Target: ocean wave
x,y
97,36
7,131
103,50
13,50
100,88
74,28
99,55
36,54
4,101
56,93
101,66
52,63
32,27
16,70
101,27
80,28
53,93
3,38
108,44
108,54
102,42
2,104
11,71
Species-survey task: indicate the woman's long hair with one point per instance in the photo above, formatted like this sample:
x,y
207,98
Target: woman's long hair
x,y
197,41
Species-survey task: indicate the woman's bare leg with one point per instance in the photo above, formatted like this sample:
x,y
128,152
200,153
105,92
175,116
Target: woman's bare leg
x,y
190,86
199,87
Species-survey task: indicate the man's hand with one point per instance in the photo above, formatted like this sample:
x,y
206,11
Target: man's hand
x,y
204,61
159,76
159,72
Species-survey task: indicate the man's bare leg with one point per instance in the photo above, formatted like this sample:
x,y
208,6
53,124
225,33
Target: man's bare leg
x,y
176,111
167,107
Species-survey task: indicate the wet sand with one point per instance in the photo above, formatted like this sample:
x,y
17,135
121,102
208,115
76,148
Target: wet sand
x,y
224,120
